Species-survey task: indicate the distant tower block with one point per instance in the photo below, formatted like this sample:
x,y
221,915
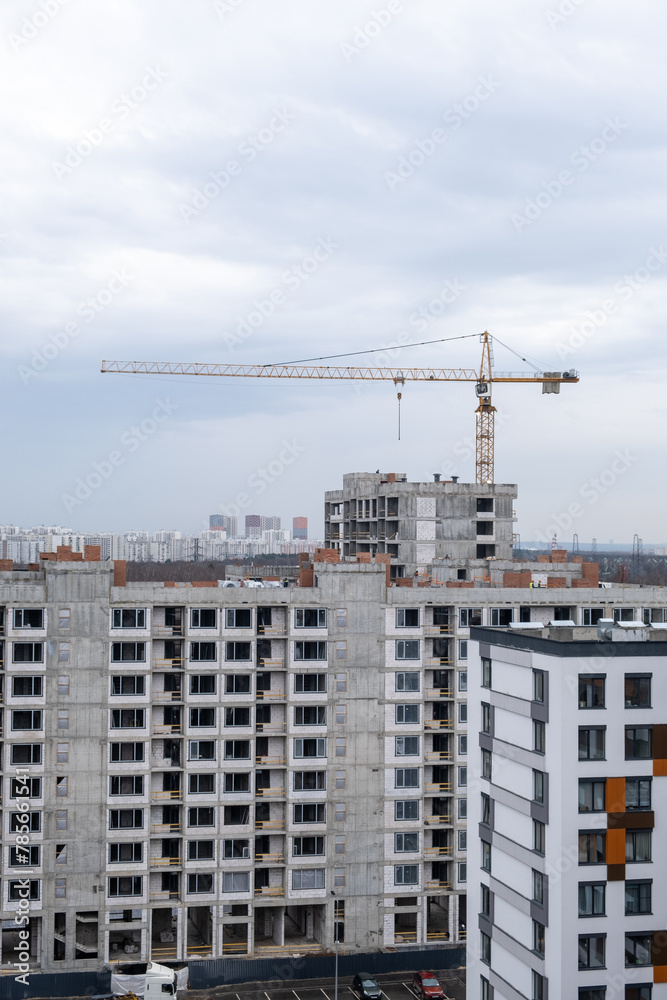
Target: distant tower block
x,y
300,527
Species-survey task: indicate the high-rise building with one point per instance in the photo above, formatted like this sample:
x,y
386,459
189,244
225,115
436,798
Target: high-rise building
x,y
566,787
255,524
300,527
228,522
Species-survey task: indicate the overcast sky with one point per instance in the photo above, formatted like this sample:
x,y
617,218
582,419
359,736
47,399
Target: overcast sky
x,y
247,181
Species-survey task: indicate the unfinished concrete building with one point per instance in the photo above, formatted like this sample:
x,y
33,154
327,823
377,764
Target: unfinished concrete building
x,y
191,771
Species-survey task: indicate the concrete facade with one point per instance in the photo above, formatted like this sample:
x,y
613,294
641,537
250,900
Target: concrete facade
x,y
202,767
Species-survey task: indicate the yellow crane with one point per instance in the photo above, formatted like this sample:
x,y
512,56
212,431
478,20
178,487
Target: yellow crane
x,y
484,377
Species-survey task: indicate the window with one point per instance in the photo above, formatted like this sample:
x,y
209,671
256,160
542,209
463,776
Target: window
x,y
128,618
308,878
17,889
638,897
538,887
202,850
485,901
539,992
340,811
538,786
502,617
637,794
485,989
592,847
407,714
486,718
28,652
125,886
592,899
485,948
236,881
341,649
203,749
469,617
486,856
204,718
310,748
126,784
406,777
25,788
310,715
28,618
26,720
24,857
592,952
341,682
638,846
63,684
406,680
237,782
638,948
644,992
61,854
309,812
341,714
339,876
126,819
340,779
26,753
591,795
462,840
462,777
201,816
235,750
406,843
310,618
539,837
18,822
125,853
341,746
407,649
27,687
128,652
64,618
200,882
63,718
406,874
341,617
462,808
463,745
407,746
638,690
204,652
486,672
238,651
624,614
591,616
128,718
463,713
463,649
406,810
61,819
592,743
232,848
463,680
309,781
307,683
487,765
128,685
310,650
407,617
126,752
236,716
307,846
203,618
638,742
486,809
538,937
238,618
201,784
206,683
592,691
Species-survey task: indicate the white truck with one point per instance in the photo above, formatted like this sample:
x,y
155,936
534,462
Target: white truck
x,y
144,979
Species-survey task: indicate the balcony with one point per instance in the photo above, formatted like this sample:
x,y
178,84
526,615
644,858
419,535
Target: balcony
x,y
166,730
438,725
435,885
434,631
438,755
276,662
438,852
275,695
270,890
166,862
272,631
438,661
274,859
279,761
168,631
270,824
267,793
232,949
165,895
175,662
175,795
440,693
271,728
433,787
437,820
166,697
163,828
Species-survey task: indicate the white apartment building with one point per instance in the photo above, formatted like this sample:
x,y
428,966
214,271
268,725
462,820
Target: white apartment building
x,y
567,883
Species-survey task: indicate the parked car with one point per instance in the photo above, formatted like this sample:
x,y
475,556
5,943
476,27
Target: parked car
x,y
366,986
427,985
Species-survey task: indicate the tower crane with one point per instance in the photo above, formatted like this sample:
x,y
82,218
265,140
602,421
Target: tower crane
x,y
483,377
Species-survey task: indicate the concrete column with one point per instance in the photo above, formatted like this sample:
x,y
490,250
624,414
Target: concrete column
x,y
450,917
279,926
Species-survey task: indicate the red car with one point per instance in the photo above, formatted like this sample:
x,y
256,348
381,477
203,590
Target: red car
x,y
427,985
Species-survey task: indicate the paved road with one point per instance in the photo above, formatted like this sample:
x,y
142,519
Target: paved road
x,y
395,986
